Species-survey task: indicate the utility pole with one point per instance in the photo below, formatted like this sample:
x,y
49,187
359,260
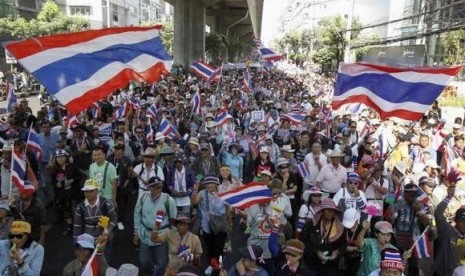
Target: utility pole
x,y
349,33
108,14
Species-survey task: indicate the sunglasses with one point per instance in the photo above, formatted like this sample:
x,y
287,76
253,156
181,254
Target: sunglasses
x,y
150,157
283,167
17,236
352,182
177,161
204,149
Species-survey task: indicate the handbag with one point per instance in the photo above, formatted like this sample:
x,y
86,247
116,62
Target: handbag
x,y
217,224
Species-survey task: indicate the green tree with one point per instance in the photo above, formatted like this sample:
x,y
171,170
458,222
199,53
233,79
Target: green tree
x,y
454,47
167,36
331,39
216,45
238,48
291,45
50,20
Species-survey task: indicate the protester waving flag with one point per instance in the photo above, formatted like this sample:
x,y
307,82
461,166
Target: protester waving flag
x,y
196,103
33,144
83,67
202,70
248,195
404,93
152,111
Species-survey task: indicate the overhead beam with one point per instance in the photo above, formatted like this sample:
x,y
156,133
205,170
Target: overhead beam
x,y
239,12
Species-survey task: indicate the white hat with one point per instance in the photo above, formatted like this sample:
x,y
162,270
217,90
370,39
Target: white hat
x,y
85,241
351,216
211,124
336,153
263,149
287,148
282,161
265,172
375,122
458,126
194,141
432,164
159,136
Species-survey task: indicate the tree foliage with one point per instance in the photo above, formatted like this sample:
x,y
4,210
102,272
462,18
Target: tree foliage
x,y
167,36
215,46
331,37
454,47
49,21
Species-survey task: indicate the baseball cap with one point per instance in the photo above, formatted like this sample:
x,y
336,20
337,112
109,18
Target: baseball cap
x,y
85,241
90,185
351,216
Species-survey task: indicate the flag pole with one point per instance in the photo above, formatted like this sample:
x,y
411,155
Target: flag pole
x,y
219,78
422,234
11,168
398,143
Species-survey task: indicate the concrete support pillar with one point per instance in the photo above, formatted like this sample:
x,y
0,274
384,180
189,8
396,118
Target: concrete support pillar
x,y
189,31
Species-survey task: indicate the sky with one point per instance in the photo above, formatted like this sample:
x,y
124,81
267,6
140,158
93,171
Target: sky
x,y
271,11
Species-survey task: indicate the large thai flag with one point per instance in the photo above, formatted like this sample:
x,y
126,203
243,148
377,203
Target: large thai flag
x,y
84,67
152,111
295,118
248,195
202,70
196,103
18,172
269,55
246,80
422,247
10,97
167,129
33,144
405,93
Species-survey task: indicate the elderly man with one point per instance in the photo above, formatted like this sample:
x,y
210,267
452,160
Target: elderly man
x,y
152,213
332,176
147,169
314,162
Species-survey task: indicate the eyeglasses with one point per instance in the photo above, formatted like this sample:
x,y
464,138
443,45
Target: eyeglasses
x,y
283,167
17,236
204,149
177,161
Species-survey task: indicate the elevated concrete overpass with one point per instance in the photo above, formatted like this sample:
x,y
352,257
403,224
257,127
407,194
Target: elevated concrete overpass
x,y
240,18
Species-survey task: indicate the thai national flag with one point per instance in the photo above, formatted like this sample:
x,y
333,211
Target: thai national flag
x,y
196,103
422,196
222,117
10,97
95,109
248,195
167,129
269,55
202,70
303,171
366,130
422,247
257,43
18,172
33,144
134,103
72,120
152,111
83,67
243,101
122,111
295,118
246,80
405,93
216,74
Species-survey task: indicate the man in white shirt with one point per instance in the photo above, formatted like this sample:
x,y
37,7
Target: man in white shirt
x,y
314,161
147,169
332,176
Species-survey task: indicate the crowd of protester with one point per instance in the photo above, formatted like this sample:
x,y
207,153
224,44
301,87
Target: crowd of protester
x,y
372,189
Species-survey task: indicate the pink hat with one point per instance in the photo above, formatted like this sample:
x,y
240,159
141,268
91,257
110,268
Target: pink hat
x,y
384,227
328,203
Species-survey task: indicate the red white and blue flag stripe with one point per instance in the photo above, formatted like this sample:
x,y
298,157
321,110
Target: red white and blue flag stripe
x,y
303,170
405,93
33,144
295,118
18,172
196,103
10,97
167,129
152,111
269,55
202,70
248,195
83,67
246,80
150,133
222,117
216,74
72,120
122,111
95,109
422,247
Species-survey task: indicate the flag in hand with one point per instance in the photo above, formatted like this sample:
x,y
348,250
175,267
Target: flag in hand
x,y
247,195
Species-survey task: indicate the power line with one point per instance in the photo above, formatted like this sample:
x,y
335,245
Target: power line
x,y
405,18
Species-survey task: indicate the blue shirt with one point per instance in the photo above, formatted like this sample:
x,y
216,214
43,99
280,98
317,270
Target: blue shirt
x,y
235,163
33,258
47,143
215,207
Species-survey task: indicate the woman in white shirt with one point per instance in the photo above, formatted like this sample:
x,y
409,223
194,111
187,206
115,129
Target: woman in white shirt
x,y
312,201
